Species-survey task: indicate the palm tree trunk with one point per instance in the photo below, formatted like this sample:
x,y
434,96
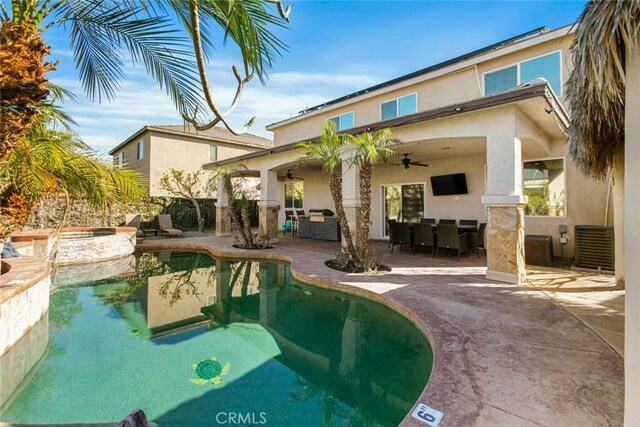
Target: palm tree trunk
x,y
364,217
336,193
22,81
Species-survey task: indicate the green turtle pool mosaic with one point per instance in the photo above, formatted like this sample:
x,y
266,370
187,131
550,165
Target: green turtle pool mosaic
x,y
197,341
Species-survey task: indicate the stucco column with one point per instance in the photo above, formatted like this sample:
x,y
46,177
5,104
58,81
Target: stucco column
x,y
351,198
618,218
632,240
268,206
504,238
223,218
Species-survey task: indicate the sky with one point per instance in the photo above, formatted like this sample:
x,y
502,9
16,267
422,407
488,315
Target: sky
x,y
334,48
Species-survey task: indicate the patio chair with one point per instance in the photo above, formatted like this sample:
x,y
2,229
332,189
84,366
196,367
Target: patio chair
x,y
480,240
289,219
431,221
423,237
469,223
300,212
447,221
166,226
449,238
400,235
390,223
131,220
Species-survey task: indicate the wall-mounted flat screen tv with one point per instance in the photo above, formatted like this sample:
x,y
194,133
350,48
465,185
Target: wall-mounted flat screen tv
x,y
446,185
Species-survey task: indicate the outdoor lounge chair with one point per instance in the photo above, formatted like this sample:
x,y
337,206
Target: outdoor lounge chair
x,y
400,234
449,238
131,220
423,237
166,226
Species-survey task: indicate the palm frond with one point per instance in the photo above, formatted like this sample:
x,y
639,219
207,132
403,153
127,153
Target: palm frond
x,y
605,32
49,162
102,30
330,150
247,23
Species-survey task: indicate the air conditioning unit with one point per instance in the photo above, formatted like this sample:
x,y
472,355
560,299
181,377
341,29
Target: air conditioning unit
x,y
594,247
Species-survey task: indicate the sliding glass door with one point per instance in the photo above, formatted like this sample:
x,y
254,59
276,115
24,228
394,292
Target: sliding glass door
x,y
403,202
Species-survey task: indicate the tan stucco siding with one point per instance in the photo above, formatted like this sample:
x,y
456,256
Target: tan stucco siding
x,y
463,206
586,202
184,153
455,87
131,155
316,194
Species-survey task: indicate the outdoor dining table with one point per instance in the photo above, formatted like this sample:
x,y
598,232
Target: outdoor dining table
x,y
472,233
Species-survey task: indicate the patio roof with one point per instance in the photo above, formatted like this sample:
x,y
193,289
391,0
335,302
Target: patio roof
x,y
539,90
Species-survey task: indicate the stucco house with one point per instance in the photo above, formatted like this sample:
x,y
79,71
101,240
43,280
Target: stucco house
x,y
496,115
154,149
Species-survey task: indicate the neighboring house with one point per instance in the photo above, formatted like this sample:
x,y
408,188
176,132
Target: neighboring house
x,y
154,149
495,115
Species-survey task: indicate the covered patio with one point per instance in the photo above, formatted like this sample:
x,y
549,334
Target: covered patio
x,y
504,354
488,140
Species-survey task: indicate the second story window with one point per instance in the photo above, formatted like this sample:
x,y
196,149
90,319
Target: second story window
x,y
140,150
546,66
399,107
344,121
213,153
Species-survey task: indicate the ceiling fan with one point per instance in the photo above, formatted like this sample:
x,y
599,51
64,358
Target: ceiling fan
x,y
407,161
289,176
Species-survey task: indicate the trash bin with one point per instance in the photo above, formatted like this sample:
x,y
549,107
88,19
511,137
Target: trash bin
x,y
538,250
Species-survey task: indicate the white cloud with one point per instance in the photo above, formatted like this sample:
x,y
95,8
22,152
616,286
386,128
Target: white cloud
x,y
141,102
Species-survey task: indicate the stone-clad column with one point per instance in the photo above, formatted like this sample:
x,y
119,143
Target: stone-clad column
x,y
268,205
351,198
504,238
223,218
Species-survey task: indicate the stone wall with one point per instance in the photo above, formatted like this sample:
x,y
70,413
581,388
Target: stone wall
x,y
80,214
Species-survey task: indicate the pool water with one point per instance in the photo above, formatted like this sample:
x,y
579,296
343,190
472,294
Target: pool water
x,y
197,341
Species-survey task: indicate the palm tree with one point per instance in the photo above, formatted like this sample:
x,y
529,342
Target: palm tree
x,y
366,150
48,161
330,151
596,88
100,30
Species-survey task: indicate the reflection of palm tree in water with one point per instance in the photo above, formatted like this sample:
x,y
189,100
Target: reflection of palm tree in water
x,y
221,312
347,371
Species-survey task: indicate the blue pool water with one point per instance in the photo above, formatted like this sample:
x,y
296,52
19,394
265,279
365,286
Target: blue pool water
x,y
286,353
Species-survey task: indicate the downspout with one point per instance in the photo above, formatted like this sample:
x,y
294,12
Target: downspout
x,y
606,206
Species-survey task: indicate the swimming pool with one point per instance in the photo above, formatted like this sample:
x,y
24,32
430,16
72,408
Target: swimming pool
x,y
195,341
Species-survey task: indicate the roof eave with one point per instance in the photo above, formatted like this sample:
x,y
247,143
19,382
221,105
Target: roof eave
x,y
436,71
518,94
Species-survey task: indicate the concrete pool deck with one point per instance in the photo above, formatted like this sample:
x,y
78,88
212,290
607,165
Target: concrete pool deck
x,y
504,354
